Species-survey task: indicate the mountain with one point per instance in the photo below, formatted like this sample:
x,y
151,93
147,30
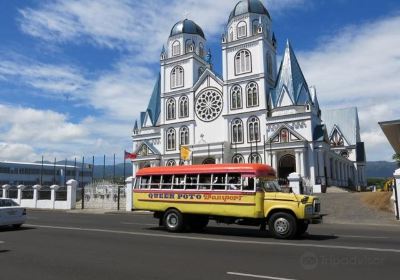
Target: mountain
x,y
380,169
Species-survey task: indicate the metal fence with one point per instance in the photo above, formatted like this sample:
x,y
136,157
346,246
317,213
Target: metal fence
x,y
101,195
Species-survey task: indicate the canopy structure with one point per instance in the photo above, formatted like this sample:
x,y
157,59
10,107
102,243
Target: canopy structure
x,y
392,132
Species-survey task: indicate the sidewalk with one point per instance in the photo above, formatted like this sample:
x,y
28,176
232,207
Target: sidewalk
x,y
347,208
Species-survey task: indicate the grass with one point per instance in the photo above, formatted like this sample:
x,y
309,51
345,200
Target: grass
x,y
378,200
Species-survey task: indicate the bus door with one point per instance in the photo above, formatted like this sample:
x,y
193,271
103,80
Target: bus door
x,y
257,195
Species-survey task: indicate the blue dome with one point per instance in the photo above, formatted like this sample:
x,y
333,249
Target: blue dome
x,y
249,6
186,26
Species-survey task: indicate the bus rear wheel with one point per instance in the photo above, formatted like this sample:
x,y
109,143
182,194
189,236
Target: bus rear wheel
x,y
173,220
282,225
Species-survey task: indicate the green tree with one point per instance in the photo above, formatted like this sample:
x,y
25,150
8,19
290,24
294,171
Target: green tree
x,y
396,158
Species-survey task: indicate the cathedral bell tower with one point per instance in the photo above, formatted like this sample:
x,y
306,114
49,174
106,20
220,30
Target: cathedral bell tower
x,y
249,55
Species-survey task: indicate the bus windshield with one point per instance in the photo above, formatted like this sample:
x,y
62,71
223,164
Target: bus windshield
x,y
268,185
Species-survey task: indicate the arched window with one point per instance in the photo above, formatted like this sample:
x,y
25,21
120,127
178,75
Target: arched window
x,y
255,26
170,162
253,127
242,62
237,131
284,135
236,97
177,77
238,158
269,65
171,139
176,48
170,109
255,158
189,43
184,107
252,94
184,135
241,29
231,34
201,50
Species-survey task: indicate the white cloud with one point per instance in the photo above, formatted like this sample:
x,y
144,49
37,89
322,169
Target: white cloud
x,y
26,134
17,152
137,26
359,66
47,77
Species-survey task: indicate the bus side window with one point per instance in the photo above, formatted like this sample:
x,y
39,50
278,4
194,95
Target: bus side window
x,y
191,181
234,181
205,182
166,182
219,181
137,182
179,182
144,184
248,184
155,182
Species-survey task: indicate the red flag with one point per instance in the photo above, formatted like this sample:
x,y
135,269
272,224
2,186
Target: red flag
x,y
130,155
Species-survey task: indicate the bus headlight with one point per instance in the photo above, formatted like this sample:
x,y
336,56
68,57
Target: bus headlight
x,y
308,210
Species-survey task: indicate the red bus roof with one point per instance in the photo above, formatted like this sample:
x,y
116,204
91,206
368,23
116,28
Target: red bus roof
x,y
243,168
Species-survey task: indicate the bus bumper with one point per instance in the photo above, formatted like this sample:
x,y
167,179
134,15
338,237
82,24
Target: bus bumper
x,y
317,219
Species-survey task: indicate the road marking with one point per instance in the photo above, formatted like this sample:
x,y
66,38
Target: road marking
x,y
176,236
1,242
362,236
258,276
140,224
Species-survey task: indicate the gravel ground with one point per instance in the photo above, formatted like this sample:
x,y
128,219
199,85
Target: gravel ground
x,y
347,208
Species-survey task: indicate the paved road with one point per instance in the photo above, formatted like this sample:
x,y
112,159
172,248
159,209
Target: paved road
x,y
58,245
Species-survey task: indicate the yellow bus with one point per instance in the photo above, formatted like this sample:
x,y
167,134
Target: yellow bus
x,y
189,196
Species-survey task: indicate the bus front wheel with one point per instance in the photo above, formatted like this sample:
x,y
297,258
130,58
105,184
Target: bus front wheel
x,y
282,225
173,220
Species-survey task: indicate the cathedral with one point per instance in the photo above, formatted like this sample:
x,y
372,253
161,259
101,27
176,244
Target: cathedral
x,y
255,112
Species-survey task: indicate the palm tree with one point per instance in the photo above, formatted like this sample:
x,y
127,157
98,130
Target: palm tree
x,y
396,158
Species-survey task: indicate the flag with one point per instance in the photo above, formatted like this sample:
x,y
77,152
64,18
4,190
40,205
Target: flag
x,y
129,155
185,153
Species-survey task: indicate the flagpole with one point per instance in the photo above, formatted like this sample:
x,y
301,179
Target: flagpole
x,y
114,170
92,169
54,171
75,177
65,172
41,173
82,186
104,167
124,166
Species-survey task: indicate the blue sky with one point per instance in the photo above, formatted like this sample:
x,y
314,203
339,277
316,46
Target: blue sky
x,y
74,75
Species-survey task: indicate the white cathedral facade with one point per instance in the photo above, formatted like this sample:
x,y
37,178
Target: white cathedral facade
x,y
253,113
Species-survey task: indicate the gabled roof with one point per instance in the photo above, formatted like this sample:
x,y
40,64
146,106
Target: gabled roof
x,y
290,77
154,107
150,146
207,72
346,119
291,131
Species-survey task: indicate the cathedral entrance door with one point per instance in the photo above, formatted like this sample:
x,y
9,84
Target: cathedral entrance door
x,y
209,161
287,165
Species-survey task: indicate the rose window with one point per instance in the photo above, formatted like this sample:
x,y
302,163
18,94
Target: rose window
x,y
208,105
